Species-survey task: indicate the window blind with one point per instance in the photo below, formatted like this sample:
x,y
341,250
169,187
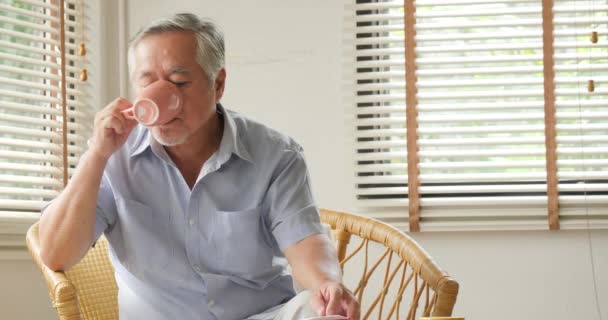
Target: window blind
x,y
477,114
582,114
45,117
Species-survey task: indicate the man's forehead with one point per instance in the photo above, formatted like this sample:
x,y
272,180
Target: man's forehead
x,y
166,44
170,52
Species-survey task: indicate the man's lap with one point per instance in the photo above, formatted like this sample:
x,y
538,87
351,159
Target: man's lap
x,y
295,309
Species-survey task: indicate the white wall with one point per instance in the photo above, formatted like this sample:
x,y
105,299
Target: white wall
x,y
285,66
23,294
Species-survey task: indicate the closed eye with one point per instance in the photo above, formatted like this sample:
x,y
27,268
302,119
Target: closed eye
x,y
179,84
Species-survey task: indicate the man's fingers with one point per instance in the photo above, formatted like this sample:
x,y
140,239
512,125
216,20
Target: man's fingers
x,y
336,300
116,124
318,303
334,304
352,309
130,124
118,104
115,108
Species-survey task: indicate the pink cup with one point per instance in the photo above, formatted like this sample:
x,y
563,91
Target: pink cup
x,y
156,104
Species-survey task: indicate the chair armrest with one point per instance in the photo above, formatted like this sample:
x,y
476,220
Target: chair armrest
x,y
61,289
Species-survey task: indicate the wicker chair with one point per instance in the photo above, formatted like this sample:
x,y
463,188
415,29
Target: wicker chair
x,y
88,290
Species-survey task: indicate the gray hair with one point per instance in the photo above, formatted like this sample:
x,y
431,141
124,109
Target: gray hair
x,y
210,40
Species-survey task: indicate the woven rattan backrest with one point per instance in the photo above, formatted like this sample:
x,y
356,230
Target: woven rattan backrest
x,y
396,278
94,280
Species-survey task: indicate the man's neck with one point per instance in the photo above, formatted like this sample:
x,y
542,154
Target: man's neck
x,y
190,156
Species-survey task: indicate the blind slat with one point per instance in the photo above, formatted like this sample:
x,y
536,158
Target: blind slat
x,y
37,26
507,188
481,117
439,60
373,133
26,205
38,74
473,153
510,164
30,168
39,98
28,192
43,110
399,4
528,10
519,34
54,8
23,84
477,106
36,50
39,133
36,62
35,156
40,122
495,23
37,145
43,5
29,180
481,141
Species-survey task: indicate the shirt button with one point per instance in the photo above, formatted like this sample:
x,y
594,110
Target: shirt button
x,y
197,269
211,303
191,222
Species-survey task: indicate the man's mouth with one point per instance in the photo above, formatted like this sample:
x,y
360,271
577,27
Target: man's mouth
x,y
168,124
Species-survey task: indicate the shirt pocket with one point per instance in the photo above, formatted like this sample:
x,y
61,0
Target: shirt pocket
x,y
145,241
238,242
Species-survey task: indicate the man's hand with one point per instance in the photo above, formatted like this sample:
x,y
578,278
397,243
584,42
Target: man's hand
x,y
111,129
315,266
333,298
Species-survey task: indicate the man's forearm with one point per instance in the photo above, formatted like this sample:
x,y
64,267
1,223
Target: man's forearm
x,y
66,227
314,261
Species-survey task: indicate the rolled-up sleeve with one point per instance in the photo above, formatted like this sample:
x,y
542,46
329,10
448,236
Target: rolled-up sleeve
x,y
106,211
292,212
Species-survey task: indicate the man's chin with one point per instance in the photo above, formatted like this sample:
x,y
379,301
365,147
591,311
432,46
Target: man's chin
x,y
167,139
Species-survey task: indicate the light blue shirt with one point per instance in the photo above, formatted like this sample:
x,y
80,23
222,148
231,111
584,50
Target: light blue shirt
x,y
213,252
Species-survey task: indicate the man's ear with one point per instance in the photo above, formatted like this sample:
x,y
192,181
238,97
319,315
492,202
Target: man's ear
x,y
220,84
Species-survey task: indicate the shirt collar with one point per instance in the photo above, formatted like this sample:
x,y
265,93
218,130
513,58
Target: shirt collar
x,y
231,142
142,141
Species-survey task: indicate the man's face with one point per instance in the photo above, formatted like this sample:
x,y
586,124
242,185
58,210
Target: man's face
x,y
172,56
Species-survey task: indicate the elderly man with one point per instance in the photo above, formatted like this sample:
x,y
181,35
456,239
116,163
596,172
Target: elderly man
x,y
201,211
